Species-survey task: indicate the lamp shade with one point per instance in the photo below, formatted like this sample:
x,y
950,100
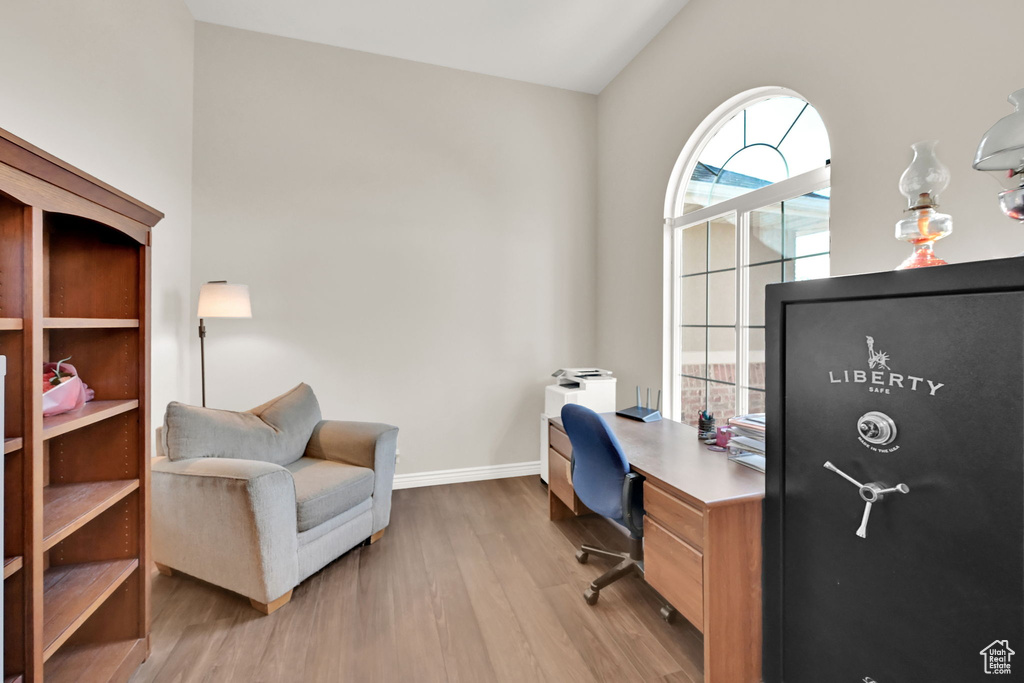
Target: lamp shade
x,y
1002,148
223,300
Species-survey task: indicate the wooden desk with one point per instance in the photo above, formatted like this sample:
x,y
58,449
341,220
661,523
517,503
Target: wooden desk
x,y
702,535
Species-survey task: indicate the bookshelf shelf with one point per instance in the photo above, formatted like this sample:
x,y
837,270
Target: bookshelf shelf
x,y
12,565
11,324
73,592
96,661
90,413
88,323
13,444
69,507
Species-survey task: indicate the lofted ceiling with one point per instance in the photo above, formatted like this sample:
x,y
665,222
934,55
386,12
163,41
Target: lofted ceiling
x,y
574,44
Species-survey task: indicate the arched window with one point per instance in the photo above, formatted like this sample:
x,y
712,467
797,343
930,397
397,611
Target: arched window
x,y
747,205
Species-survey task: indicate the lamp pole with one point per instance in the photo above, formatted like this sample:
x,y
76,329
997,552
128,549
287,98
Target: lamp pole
x,y
202,356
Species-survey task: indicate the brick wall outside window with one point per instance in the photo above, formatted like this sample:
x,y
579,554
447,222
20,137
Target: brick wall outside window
x,y
718,398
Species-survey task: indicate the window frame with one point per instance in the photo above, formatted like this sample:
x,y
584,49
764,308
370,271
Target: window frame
x,y
739,208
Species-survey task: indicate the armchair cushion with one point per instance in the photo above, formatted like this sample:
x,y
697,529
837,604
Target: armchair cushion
x,y
326,489
275,432
366,444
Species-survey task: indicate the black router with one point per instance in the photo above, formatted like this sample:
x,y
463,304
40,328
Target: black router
x,y
641,413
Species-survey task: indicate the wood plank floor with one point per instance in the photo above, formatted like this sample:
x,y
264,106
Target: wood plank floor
x,y
471,582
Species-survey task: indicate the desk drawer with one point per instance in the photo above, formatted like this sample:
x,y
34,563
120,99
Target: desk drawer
x,y
560,479
676,570
682,519
559,440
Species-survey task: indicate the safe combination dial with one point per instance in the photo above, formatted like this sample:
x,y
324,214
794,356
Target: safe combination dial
x,y
874,492
878,429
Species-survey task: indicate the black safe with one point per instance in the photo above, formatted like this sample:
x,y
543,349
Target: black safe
x,y
894,507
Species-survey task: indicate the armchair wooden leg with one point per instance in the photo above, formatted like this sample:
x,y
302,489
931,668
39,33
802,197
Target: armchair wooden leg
x,y
270,607
377,536
164,569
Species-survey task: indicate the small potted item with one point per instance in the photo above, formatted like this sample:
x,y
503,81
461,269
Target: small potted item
x,y
63,389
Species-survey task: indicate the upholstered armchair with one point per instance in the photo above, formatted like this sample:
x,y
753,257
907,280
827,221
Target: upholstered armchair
x,y
257,502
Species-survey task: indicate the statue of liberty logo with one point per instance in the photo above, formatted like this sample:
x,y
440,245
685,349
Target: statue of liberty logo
x,y
876,358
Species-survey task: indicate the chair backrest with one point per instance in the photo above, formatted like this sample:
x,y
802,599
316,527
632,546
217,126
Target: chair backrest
x,y
599,465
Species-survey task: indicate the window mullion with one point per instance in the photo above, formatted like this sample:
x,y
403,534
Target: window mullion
x,y
742,309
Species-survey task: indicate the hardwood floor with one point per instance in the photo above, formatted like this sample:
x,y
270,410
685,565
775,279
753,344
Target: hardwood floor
x,y
470,583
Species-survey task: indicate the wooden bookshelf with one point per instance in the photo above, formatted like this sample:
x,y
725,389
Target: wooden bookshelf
x,y
74,281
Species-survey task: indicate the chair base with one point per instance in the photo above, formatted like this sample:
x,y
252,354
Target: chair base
x,y
627,564
164,569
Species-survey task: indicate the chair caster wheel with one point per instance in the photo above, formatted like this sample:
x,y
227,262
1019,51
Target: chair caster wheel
x,y
582,557
591,595
668,613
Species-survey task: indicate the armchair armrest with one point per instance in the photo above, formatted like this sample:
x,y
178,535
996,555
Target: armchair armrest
x,y
227,521
366,444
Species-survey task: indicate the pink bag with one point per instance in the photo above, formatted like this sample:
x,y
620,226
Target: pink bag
x,y
70,394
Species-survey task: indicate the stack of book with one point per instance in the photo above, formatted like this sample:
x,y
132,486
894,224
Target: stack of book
x,y
746,446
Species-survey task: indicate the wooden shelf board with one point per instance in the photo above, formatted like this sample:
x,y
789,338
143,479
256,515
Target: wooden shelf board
x,y
86,323
72,592
96,661
11,324
90,413
11,565
68,507
14,679
13,444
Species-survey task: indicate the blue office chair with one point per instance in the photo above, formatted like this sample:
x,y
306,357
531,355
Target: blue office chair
x,y
602,480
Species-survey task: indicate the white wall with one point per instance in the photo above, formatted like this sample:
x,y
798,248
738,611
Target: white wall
x,y
882,74
418,240
106,85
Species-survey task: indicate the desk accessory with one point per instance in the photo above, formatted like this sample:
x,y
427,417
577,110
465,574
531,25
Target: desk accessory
x,y
751,460
218,299
641,413
706,426
1002,150
921,184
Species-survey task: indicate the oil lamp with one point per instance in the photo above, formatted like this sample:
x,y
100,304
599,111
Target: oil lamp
x,y
921,184
1002,151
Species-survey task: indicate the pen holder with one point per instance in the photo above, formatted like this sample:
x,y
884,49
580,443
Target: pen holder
x,y
706,428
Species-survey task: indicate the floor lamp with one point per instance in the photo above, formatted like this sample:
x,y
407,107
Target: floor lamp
x,y
218,299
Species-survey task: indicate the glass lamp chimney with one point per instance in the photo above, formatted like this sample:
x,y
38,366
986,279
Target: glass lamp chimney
x,y
921,184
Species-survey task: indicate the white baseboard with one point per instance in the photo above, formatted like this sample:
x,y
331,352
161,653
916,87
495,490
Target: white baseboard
x,y
457,476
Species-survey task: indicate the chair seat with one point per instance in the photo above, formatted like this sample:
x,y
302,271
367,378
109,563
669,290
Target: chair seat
x,y
325,489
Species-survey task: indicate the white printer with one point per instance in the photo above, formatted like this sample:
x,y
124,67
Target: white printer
x,y
590,387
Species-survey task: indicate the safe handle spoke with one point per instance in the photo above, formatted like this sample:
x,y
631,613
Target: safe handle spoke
x,y
844,475
863,530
